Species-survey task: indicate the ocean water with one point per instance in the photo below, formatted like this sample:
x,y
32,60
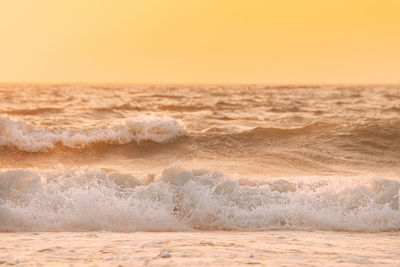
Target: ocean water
x,y
199,174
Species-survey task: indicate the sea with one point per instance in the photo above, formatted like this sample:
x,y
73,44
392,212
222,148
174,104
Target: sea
x,y
202,175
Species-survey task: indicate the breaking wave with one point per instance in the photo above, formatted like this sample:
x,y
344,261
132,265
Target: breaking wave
x,y
94,200
381,134
31,138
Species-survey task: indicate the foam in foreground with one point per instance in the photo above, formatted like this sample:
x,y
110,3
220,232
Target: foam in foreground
x,y
93,200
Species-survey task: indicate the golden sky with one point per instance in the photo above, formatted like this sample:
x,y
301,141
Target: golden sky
x,y
200,41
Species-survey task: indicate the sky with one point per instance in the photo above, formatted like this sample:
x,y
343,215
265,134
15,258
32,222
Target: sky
x,y
200,41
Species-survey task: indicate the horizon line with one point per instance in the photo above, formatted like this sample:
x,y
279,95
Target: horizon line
x,y
208,83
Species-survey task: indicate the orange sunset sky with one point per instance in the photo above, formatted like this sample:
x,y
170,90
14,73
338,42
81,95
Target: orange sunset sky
x,y
200,41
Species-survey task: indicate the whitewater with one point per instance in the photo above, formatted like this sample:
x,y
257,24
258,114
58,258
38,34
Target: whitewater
x,y
182,200
186,174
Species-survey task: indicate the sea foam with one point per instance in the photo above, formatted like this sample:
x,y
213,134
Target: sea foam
x,y
32,138
92,200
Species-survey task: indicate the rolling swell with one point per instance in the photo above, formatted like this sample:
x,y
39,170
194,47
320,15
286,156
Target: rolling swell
x,y
191,199
385,129
379,134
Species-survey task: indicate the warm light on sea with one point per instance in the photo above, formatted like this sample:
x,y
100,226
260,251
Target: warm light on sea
x,y
199,133
199,174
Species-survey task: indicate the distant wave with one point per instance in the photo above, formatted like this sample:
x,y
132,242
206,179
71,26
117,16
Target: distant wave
x,y
34,111
93,200
32,138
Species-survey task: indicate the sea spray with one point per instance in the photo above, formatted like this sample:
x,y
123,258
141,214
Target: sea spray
x,y
83,199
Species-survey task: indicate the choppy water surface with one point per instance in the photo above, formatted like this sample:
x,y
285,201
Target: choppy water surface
x,y
265,159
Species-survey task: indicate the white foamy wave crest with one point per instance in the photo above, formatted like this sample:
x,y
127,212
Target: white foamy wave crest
x,y
31,138
93,200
